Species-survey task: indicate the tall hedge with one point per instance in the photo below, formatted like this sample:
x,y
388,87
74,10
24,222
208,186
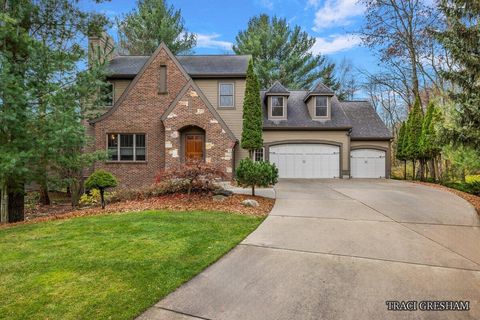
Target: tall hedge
x,y
252,112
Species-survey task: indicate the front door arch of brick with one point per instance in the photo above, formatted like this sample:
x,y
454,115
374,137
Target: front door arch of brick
x,y
192,140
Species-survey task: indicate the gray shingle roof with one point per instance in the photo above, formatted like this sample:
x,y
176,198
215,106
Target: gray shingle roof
x,y
365,121
277,88
320,88
195,66
357,115
299,117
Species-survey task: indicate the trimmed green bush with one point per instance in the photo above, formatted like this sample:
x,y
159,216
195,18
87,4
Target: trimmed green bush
x,y
101,180
256,174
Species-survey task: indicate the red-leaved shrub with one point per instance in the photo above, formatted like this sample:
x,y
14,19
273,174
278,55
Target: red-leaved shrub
x,y
197,175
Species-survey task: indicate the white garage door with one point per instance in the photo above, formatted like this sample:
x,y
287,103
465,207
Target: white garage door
x,y
306,160
367,163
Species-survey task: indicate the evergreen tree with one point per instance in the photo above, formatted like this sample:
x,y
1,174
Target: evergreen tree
x,y
428,140
400,147
282,52
41,108
462,41
153,22
414,132
252,112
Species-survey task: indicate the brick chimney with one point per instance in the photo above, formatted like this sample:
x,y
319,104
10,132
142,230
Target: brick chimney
x,y
100,48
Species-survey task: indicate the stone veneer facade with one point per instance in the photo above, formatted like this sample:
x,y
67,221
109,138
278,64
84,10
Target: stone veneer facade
x,y
143,110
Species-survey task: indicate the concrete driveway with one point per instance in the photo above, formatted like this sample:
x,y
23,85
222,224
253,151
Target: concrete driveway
x,y
339,249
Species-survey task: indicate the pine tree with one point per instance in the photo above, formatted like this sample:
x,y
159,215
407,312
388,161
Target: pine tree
x,y
414,132
41,107
153,22
284,53
400,148
252,112
461,39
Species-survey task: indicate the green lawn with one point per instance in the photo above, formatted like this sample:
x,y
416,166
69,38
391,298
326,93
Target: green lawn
x,y
109,266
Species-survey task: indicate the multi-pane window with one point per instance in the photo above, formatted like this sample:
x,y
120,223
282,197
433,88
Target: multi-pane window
x,y
258,154
107,94
226,92
277,106
126,147
321,106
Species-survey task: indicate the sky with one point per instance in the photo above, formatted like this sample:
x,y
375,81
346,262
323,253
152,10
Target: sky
x,y
332,22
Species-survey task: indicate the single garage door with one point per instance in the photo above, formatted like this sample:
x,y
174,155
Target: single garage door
x,y
308,161
367,163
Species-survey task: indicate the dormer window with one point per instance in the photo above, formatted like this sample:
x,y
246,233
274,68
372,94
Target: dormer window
x,y
321,106
278,106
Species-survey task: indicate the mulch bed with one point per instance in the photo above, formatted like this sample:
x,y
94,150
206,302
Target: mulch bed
x,y
174,202
473,199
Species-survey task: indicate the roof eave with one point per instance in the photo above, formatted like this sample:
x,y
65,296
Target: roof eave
x,y
306,128
371,138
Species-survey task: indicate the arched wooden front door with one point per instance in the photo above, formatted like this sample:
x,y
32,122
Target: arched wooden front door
x,y
193,144
194,147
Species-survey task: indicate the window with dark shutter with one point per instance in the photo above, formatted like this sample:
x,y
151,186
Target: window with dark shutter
x,y
162,84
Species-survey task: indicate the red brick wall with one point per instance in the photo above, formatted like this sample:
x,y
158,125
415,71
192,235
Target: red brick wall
x,y
140,112
191,110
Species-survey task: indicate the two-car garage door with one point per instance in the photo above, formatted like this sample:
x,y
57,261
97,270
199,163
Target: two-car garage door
x,y
306,160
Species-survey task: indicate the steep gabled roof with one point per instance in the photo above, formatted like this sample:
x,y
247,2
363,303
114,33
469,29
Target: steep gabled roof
x,y
277,89
319,90
127,67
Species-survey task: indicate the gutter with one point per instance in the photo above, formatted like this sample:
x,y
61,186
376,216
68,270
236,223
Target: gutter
x,y
307,129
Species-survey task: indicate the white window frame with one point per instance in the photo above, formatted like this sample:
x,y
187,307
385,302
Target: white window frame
x,y
220,95
254,154
134,147
328,107
283,107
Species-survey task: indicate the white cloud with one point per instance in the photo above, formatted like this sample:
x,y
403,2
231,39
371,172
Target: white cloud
x,y
335,43
210,41
266,3
335,13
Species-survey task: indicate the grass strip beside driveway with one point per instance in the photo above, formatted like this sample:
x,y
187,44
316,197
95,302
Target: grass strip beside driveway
x,y
111,266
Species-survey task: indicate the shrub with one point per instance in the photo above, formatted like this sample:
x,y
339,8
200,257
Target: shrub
x,y
256,174
93,197
101,180
190,176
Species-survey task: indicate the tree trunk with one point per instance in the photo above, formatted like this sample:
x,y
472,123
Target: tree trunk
x,y
16,205
404,169
44,198
76,192
102,199
3,203
253,190
413,167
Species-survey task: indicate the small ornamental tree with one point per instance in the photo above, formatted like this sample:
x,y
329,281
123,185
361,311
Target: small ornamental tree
x,y
252,113
256,174
400,150
101,180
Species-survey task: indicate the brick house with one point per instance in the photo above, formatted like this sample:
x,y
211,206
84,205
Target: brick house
x,y
167,109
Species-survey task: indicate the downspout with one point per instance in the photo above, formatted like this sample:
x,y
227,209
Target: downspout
x,y
349,133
